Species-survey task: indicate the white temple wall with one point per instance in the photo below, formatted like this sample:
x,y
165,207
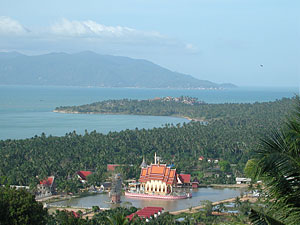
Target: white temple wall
x,y
156,186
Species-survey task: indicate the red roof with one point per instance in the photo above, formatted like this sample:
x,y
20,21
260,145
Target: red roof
x,y
112,167
146,212
130,216
84,174
158,172
153,209
76,215
48,181
185,178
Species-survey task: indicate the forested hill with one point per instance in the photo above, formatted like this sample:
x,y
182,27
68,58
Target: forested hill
x,y
231,137
91,69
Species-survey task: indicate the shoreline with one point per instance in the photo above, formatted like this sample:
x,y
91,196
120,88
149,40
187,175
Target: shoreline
x,y
228,185
107,113
196,208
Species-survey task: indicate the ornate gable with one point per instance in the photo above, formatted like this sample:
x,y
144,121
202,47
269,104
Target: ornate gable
x,y
158,172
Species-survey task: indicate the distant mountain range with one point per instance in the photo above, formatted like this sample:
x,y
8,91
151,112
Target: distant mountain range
x,y
91,69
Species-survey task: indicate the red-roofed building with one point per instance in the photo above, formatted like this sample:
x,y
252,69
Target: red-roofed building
x,y
184,179
82,175
112,167
147,213
48,181
46,187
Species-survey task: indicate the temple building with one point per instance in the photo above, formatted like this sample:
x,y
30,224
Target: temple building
x,y
46,187
82,175
158,179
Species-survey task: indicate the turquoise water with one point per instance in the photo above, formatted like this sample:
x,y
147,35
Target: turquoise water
x,y
26,111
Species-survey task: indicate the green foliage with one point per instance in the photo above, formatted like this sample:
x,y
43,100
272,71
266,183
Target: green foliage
x,y
67,218
128,171
277,163
251,166
208,207
96,178
230,135
224,166
113,216
259,218
117,219
186,107
20,207
70,185
95,208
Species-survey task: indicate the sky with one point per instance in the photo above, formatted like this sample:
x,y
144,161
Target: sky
x,y
245,42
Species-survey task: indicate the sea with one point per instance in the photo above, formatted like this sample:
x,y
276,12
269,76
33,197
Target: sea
x,y
26,111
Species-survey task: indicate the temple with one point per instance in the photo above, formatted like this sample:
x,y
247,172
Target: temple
x,y
158,179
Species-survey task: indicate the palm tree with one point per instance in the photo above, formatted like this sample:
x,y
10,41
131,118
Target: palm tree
x,y
208,207
237,202
277,163
222,207
117,219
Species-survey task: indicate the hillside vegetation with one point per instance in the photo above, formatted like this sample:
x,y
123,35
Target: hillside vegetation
x,y
231,135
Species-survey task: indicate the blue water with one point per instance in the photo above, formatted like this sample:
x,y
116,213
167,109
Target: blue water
x,y
26,111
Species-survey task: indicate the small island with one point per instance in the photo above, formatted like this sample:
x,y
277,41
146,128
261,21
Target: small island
x,y
186,107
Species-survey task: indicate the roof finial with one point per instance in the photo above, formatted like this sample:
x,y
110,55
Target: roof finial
x,y
155,158
144,164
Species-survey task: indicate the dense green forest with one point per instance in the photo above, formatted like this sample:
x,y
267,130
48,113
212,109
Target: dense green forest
x,y
184,107
232,132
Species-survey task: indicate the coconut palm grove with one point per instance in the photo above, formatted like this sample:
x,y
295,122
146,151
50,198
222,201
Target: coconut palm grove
x,y
260,139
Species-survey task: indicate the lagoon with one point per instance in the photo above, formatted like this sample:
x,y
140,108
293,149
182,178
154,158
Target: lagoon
x,y
200,194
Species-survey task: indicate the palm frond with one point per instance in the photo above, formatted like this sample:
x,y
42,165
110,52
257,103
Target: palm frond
x,y
258,218
277,162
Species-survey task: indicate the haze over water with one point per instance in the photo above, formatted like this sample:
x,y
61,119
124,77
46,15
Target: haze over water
x,y
26,111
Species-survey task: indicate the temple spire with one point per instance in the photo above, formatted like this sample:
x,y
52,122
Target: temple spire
x,y
155,158
144,164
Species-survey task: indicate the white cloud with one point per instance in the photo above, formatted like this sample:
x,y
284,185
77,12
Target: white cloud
x,y
91,28
73,35
9,26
